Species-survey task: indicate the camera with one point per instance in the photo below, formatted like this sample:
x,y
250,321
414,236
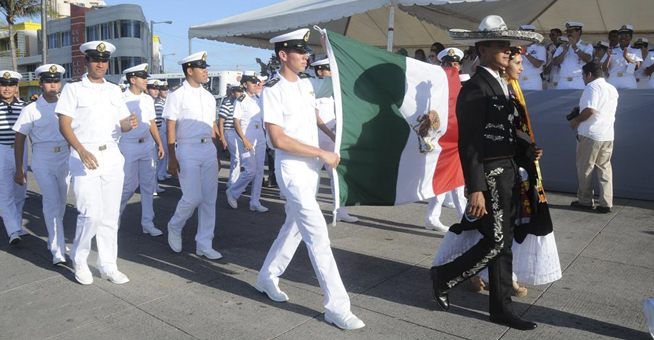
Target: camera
x,y
572,115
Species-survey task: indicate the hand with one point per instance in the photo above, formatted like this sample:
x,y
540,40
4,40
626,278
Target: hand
x,y
224,142
330,158
88,159
247,145
133,121
173,166
19,176
160,152
573,42
609,52
477,205
534,152
574,124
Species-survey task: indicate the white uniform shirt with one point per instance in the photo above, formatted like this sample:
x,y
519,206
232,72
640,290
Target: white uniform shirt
x,y
96,110
194,109
640,72
326,110
529,70
142,105
571,65
647,62
292,106
618,64
248,112
603,98
39,121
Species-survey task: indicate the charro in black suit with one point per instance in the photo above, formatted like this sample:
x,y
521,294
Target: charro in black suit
x,y
487,148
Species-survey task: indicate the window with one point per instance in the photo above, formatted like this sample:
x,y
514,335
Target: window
x,y
53,40
116,68
65,38
130,29
116,29
69,70
105,30
92,33
127,62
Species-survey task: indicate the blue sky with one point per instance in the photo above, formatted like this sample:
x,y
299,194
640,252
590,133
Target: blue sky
x,y
186,13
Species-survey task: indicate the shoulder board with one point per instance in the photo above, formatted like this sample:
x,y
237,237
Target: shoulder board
x,y
175,88
241,97
272,83
111,82
74,80
303,75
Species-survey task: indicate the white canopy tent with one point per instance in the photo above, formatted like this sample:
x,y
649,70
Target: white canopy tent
x,y
418,23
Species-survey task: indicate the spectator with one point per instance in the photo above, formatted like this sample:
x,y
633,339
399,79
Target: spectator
x,y
594,127
570,56
613,38
642,77
403,51
623,61
533,61
436,48
550,71
420,55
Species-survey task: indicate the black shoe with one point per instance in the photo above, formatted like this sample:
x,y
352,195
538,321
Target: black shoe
x,y
603,210
578,205
440,296
513,321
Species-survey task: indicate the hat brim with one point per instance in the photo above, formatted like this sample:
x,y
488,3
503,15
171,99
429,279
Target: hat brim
x,y
514,37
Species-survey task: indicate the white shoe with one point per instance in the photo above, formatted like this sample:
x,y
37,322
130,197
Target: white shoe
x,y
272,291
83,275
258,208
155,193
346,218
347,320
438,226
174,241
154,231
210,254
114,276
231,200
58,260
14,238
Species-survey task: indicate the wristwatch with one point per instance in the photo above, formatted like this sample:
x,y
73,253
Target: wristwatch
x,y
577,50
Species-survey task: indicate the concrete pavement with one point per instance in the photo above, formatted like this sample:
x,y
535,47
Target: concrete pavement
x,y
608,263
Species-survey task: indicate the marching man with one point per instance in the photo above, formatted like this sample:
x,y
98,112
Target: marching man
x,y
137,146
190,114
92,115
49,156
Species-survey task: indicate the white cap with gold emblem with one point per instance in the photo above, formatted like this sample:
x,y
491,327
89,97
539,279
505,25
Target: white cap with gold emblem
x,y
140,71
9,77
50,71
451,54
195,60
98,49
296,40
154,83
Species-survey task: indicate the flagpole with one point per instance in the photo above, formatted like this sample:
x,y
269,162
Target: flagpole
x,y
391,29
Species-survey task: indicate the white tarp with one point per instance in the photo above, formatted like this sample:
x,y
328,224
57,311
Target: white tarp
x,y
418,23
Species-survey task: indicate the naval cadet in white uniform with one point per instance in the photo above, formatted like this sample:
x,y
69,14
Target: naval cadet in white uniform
x,y
138,147
190,113
288,104
248,124
571,56
641,75
228,136
49,156
533,61
326,112
12,198
92,115
623,61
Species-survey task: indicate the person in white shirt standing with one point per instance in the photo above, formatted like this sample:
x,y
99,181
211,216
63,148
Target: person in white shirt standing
x,y
571,56
49,156
248,124
642,77
92,115
289,110
623,61
138,147
190,114
534,60
595,136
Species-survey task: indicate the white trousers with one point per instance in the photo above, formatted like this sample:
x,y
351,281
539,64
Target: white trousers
x,y
435,205
51,172
162,164
304,222
533,82
627,81
198,177
12,195
97,193
234,158
139,171
575,83
252,162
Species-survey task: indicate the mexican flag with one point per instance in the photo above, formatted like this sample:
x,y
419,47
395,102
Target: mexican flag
x,y
393,130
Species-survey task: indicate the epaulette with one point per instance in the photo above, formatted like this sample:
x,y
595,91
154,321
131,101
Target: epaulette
x,y
272,83
172,89
303,75
111,82
74,80
241,97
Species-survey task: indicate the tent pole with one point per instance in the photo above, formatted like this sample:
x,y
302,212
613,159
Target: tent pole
x,y
391,29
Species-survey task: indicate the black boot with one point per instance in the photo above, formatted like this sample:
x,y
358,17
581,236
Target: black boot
x,y
513,321
441,296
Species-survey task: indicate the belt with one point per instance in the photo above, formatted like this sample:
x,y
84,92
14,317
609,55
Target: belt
x,y
568,79
620,74
99,147
194,140
50,146
133,140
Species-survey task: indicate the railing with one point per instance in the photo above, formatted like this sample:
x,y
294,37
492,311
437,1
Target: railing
x,y
29,76
7,54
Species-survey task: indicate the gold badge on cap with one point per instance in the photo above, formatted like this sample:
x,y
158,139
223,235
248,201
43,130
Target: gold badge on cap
x,y
624,27
306,36
156,83
451,53
146,68
7,75
53,69
204,56
101,47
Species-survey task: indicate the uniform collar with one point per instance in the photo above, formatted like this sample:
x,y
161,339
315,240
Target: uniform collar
x,y
15,101
87,83
42,102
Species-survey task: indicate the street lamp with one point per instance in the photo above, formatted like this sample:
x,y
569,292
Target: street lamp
x,y
163,62
152,22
